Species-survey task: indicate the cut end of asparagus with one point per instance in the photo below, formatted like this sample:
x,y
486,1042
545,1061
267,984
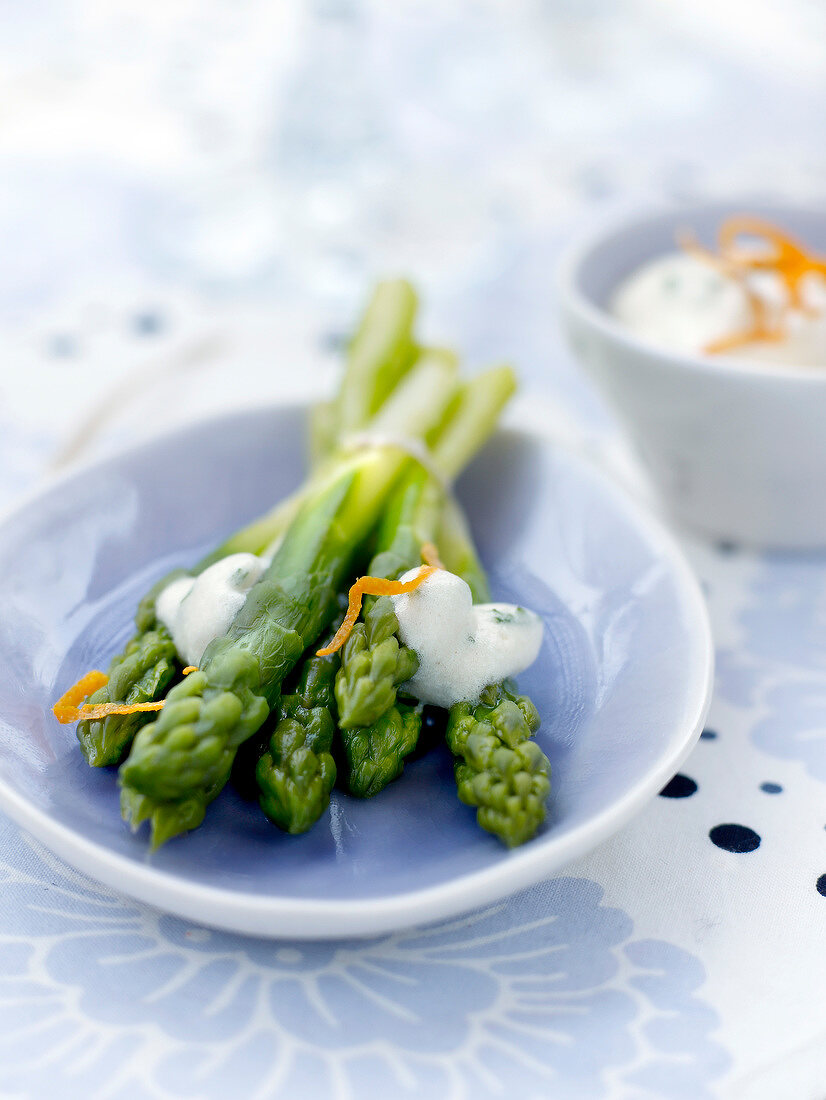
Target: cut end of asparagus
x,y
480,405
379,354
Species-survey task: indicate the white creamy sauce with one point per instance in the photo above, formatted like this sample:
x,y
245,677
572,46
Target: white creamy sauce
x,y
681,303
196,610
461,647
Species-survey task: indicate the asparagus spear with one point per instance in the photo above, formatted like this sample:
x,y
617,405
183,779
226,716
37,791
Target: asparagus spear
x,y
168,819
373,661
140,674
373,664
471,420
380,353
498,768
375,754
148,664
458,552
296,773
376,732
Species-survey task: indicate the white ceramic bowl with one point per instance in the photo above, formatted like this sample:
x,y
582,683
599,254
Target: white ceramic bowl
x,y
735,449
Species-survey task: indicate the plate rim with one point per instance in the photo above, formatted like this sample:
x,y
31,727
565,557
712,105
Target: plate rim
x,y
274,916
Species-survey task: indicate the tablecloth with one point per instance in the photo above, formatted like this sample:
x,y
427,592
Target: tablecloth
x,y
205,243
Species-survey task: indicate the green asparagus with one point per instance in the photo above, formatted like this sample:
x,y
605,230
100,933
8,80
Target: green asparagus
x,y
374,662
140,674
410,520
376,735
167,819
375,754
380,353
499,769
148,664
296,773
457,551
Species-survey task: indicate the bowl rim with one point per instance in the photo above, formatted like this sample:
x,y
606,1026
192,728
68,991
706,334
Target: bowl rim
x,y
312,919
575,301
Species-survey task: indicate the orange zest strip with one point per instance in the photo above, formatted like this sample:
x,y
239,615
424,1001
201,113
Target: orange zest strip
x,y
779,254
371,586
759,329
103,710
190,668
743,338
68,708
689,243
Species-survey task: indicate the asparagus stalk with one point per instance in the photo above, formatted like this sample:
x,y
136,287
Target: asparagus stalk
x,y
458,552
296,773
380,353
498,768
375,754
374,663
168,819
472,421
148,665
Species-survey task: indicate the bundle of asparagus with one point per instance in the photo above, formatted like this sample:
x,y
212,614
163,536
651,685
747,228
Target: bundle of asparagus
x,y
384,454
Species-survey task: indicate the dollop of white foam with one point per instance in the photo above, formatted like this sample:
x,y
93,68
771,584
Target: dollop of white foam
x,y
461,647
681,303
196,610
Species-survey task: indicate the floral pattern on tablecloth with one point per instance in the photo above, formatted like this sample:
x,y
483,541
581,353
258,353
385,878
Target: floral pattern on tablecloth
x,y
552,986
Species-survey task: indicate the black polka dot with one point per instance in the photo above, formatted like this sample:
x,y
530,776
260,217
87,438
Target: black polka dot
x,y
821,885
681,786
734,838
771,788
708,735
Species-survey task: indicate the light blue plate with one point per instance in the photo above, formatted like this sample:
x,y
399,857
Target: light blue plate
x,y
622,682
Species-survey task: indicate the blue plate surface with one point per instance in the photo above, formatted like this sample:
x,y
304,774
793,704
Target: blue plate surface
x,y
622,682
